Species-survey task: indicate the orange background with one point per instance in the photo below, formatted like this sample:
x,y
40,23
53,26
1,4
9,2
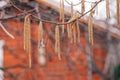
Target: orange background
x,y
73,65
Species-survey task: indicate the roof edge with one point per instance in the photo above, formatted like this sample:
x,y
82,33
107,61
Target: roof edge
x,y
115,32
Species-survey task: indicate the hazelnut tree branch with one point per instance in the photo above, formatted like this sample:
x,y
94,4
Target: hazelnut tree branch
x,y
53,22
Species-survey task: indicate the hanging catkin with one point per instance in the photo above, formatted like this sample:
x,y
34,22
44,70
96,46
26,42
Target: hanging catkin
x,y
40,33
63,28
60,10
26,33
27,37
77,27
118,11
78,31
71,32
63,16
57,42
71,27
68,30
62,13
90,27
74,32
107,9
72,10
82,6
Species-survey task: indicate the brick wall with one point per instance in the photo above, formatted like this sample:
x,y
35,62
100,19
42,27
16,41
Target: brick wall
x,y
73,65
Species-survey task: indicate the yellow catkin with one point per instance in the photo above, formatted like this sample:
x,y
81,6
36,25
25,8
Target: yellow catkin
x,y
107,9
63,16
29,42
82,6
72,10
68,30
62,13
78,31
74,32
25,32
63,28
57,42
90,28
118,11
27,37
71,32
40,33
71,28
60,10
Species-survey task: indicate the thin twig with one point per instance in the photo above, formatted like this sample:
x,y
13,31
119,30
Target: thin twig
x,y
17,15
10,35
